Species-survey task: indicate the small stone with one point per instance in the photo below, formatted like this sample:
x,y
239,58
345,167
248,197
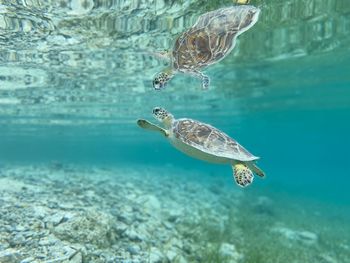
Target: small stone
x,y
133,250
18,240
168,225
55,219
171,255
48,241
121,227
126,217
308,237
152,203
229,252
9,229
174,242
133,235
77,258
67,206
20,228
174,215
28,260
86,227
10,256
181,259
305,237
28,234
40,256
67,216
324,258
155,255
187,248
4,246
286,232
40,212
345,246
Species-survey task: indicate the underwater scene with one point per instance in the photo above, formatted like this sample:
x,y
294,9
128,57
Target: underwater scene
x,y
151,131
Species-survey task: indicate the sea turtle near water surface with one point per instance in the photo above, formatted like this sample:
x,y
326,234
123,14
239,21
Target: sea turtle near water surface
x,y
208,41
205,142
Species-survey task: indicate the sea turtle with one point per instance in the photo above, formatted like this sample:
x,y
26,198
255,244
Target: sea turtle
x,y
211,38
204,142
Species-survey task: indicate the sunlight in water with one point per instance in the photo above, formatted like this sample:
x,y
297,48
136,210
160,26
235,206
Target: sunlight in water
x,y
81,182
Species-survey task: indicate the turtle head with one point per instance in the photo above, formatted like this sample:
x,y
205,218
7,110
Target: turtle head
x,y
163,116
160,80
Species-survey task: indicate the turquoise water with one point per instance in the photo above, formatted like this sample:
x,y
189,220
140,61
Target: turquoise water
x,y
80,182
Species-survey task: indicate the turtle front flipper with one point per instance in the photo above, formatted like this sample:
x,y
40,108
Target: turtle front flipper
x,y
257,170
163,55
204,78
152,127
242,174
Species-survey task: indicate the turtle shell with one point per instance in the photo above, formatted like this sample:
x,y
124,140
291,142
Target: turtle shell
x,y
212,37
208,139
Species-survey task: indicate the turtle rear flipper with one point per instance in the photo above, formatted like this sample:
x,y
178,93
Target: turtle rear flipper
x,y
242,174
162,55
204,78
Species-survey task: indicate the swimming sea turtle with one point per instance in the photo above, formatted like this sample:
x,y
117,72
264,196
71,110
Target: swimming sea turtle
x,y
211,38
207,143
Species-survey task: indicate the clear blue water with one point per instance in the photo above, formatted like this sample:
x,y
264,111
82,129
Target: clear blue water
x,y
74,78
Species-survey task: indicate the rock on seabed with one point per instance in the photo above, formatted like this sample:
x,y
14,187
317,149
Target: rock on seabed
x,y
65,213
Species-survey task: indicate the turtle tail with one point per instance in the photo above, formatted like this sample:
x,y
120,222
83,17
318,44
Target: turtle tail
x,y
242,174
